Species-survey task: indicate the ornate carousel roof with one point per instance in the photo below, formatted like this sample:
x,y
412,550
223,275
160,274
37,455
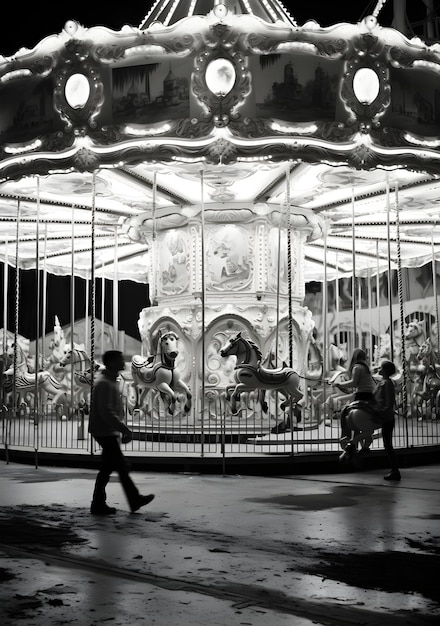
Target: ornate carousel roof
x,y
219,106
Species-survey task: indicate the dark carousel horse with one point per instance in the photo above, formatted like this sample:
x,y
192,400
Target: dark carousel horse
x,y
159,372
362,421
249,375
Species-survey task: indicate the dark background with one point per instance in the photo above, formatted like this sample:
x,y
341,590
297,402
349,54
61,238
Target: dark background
x,y
27,24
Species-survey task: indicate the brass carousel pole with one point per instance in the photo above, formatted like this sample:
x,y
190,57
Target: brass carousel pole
x,y
325,314
44,293
115,293
353,256
202,344
379,338
289,291
17,307
370,314
402,313
338,330
5,297
5,326
72,304
289,267
103,307
37,324
277,328
14,372
434,287
86,325
390,293
154,264
93,294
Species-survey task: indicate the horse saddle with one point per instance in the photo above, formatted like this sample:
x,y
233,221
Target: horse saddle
x,y
146,368
378,415
270,376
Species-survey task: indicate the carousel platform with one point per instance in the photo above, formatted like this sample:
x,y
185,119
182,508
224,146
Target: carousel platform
x,y
215,461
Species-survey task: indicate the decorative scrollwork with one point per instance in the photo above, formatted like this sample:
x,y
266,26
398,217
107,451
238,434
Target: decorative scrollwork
x,y
362,158
369,113
78,61
221,107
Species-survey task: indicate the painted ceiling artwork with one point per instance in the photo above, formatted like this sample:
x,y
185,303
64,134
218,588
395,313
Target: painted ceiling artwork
x,y
107,137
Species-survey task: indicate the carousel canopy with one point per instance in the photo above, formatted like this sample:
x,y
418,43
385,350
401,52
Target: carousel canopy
x,y
222,105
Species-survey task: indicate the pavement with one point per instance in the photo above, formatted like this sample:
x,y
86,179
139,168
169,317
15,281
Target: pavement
x,y
236,550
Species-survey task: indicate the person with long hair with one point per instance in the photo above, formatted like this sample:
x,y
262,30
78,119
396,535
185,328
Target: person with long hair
x,y
361,381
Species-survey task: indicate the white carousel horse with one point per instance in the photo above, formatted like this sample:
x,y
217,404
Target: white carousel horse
x,y
250,375
26,383
414,336
159,372
58,342
59,348
336,358
79,370
336,373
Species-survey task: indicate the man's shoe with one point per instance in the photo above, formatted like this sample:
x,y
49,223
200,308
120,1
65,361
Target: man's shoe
x,y
393,476
142,501
102,509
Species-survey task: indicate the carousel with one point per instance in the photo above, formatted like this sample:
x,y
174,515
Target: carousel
x,y
275,185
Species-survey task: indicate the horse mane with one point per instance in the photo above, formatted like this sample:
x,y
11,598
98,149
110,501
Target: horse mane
x,y
256,348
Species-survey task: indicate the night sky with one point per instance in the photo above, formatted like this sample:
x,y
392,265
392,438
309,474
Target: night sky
x,y
25,25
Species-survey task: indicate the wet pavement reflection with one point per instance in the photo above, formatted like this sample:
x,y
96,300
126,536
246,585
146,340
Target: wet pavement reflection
x,y
221,550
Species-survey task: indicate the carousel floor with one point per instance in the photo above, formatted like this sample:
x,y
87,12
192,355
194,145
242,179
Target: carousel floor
x,y
326,550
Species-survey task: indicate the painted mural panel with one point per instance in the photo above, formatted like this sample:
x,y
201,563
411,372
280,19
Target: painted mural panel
x,y
174,263
228,258
295,88
277,255
415,102
27,109
417,281
150,93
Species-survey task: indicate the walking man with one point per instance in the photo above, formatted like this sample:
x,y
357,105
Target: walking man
x,y
106,426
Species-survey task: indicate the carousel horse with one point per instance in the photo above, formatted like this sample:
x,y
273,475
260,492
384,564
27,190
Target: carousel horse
x,y
159,372
269,362
249,375
362,421
79,371
414,337
26,383
5,364
336,373
336,399
58,347
429,370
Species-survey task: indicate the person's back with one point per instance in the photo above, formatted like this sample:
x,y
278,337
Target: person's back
x,y
106,426
386,400
385,395
106,412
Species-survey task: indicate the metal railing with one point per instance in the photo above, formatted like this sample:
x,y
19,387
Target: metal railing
x,y
249,433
